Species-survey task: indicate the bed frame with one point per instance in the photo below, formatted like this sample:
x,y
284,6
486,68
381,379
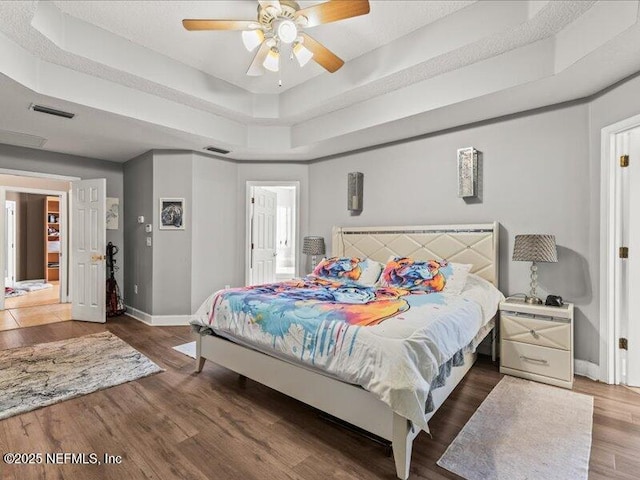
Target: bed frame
x,y
476,244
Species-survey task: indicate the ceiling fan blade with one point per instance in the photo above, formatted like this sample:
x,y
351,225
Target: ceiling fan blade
x,y
203,24
333,11
256,69
322,55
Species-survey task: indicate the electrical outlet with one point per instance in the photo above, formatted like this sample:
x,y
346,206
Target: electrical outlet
x,y
227,286
148,228
135,289
148,241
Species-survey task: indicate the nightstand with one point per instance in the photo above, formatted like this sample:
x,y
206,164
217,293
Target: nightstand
x,y
536,342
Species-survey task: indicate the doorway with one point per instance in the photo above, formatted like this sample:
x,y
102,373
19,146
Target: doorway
x,y
35,241
33,247
272,231
620,351
83,254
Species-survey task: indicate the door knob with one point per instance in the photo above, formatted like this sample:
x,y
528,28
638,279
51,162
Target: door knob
x,y
97,258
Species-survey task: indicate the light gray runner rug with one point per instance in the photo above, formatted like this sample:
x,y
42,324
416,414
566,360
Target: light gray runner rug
x,y
524,430
48,373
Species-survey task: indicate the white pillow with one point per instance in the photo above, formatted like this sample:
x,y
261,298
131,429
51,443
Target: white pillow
x,y
458,279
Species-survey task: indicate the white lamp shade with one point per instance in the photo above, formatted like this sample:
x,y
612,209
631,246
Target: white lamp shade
x,y
272,62
252,38
303,54
287,31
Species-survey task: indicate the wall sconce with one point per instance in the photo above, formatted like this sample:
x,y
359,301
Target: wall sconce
x,y
355,182
467,172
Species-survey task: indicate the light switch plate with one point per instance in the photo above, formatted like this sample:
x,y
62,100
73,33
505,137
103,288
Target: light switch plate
x,y
140,219
148,228
148,241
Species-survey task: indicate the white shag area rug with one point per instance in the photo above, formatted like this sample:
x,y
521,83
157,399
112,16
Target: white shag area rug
x,y
525,430
188,349
48,373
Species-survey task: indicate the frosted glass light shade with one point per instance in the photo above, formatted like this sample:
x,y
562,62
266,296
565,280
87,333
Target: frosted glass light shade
x,y
272,62
303,54
287,31
252,38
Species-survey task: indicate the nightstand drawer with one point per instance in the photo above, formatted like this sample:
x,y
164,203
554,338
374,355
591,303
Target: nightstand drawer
x,y
546,333
549,362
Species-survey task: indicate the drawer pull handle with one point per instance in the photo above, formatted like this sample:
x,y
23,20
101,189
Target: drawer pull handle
x,y
534,334
535,360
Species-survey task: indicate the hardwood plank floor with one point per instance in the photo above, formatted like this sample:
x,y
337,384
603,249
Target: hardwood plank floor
x,y
179,425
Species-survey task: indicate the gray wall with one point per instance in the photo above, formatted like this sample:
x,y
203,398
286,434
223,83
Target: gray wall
x,y
183,267
138,194
214,219
172,178
41,161
536,179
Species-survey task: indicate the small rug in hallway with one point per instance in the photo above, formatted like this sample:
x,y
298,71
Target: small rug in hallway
x,y
12,292
524,430
188,349
32,285
48,373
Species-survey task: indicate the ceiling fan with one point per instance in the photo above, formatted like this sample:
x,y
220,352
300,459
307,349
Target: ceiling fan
x,y
280,24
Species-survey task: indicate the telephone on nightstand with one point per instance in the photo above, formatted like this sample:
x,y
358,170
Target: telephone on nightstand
x,y
554,301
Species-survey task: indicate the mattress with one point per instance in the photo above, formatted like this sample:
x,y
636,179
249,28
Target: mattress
x,y
389,341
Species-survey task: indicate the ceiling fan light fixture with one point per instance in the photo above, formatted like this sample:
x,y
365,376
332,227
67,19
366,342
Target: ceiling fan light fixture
x,y
286,30
272,61
252,39
303,54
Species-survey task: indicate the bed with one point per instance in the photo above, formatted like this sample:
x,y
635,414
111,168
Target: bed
x,y
379,360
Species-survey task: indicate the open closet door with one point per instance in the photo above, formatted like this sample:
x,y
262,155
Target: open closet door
x,y
88,245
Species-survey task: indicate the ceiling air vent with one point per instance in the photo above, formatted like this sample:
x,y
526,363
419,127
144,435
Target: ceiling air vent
x,y
51,111
217,150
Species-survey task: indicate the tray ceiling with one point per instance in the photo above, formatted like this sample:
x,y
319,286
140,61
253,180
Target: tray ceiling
x,y
408,63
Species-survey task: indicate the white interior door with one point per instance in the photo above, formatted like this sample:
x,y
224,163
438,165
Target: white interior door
x,y
632,319
10,244
263,236
88,245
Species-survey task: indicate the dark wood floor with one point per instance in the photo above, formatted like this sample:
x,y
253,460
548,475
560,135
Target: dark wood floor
x,y
177,425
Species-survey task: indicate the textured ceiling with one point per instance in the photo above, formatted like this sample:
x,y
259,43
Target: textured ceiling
x,y
222,53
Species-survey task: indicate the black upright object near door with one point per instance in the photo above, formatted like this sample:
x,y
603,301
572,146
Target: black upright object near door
x,y
115,305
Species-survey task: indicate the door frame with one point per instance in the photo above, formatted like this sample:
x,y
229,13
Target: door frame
x,y
11,260
247,244
3,198
610,234
65,285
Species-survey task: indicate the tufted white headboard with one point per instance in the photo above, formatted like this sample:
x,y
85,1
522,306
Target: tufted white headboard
x,y
476,244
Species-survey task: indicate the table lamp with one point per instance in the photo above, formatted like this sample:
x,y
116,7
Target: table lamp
x,y
313,246
535,248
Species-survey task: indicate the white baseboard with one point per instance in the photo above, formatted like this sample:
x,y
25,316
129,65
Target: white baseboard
x,y
587,369
158,320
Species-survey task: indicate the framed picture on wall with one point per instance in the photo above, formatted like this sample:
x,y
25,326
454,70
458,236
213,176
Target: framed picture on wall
x,y
172,215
